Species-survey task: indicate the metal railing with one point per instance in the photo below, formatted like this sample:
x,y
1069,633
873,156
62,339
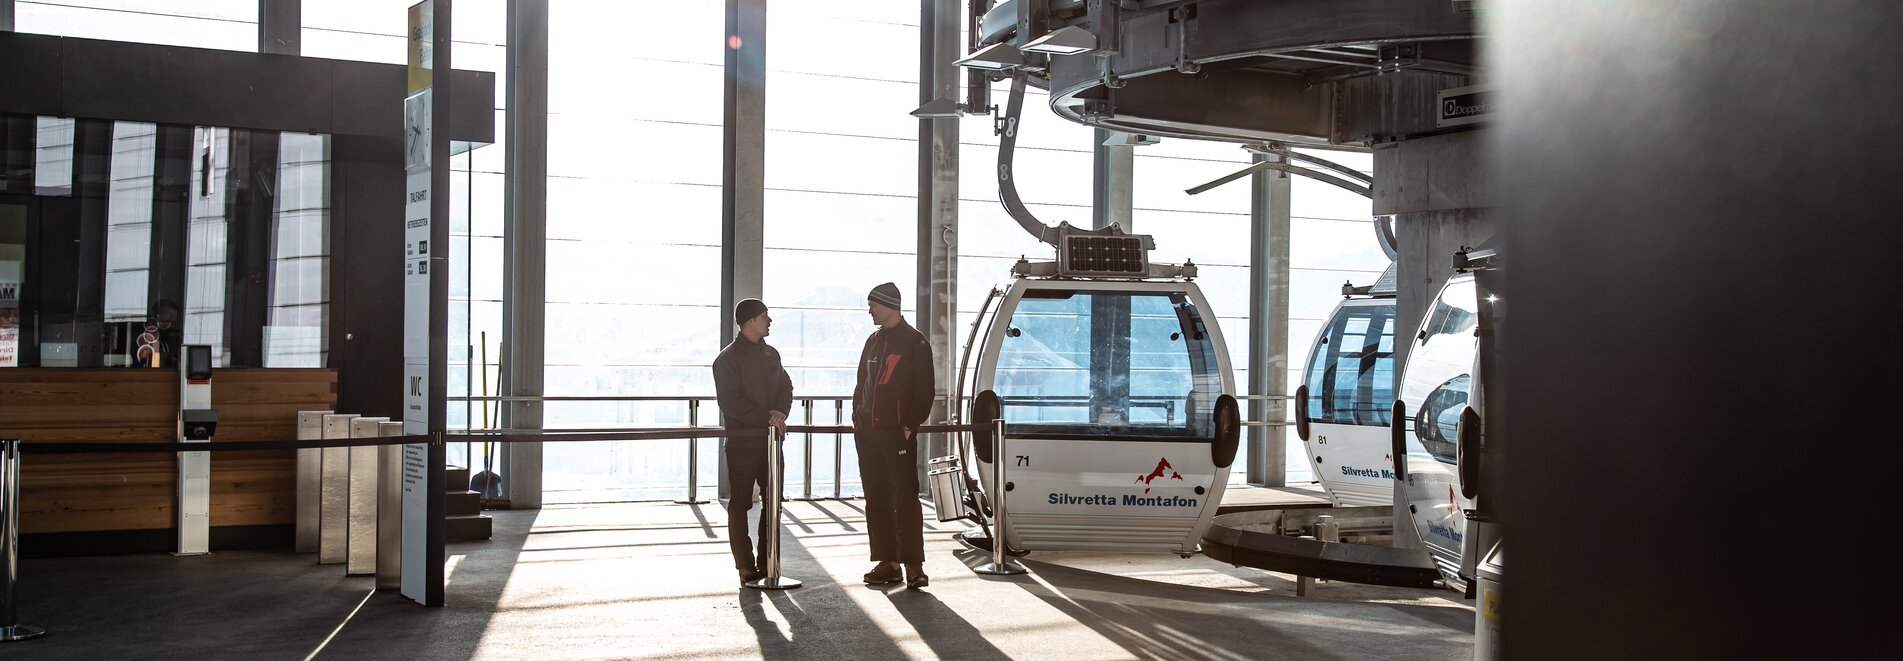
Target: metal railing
x,y
1285,422
693,406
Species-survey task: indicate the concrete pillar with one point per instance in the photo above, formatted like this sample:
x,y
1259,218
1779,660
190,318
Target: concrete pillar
x,y
1436,189
280,25
1268,323
937,285
1112,172
743,167
525,235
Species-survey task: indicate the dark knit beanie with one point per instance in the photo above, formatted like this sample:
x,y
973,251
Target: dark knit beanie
x,y
747,308
886,295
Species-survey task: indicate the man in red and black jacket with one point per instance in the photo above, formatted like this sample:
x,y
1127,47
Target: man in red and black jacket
x,y
893,397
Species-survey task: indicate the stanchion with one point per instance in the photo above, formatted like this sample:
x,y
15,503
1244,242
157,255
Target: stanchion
x,y
1000,561
771,512
839,418
806,493
693,457
10,630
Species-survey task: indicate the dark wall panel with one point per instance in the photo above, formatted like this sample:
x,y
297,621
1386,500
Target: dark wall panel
x,y
366,335
93,79
1700,215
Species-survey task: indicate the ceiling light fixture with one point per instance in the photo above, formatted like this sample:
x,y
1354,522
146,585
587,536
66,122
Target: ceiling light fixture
x,y
940,108
1067,40
996,57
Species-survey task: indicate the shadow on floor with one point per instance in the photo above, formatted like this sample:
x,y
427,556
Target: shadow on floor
x,y
1147,619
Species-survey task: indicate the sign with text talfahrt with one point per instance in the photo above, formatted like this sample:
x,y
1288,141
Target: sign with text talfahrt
x,y
425,297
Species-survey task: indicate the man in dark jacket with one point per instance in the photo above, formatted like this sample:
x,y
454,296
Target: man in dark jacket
x,y
755,393
893,397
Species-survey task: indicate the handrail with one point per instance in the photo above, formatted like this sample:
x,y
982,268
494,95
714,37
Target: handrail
x,y
615,398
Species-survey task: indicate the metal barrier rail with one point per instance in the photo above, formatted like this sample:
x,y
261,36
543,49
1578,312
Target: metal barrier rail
x,y
693,420
85,447
693,402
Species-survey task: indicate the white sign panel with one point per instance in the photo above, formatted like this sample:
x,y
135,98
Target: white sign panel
x,y
415,566
415,571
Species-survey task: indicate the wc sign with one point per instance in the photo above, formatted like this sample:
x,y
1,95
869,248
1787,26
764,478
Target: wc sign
x,y
1464,105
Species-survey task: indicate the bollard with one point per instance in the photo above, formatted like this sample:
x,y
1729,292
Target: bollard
x,y
806,493
693,456
1326,530
1000,562
770,509
10,629
839,449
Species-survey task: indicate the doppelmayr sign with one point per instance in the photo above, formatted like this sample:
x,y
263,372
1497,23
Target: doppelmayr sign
x,y
1464,105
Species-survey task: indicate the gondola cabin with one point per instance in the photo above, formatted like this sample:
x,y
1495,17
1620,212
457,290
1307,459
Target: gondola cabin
x,y
1119,411
1345,403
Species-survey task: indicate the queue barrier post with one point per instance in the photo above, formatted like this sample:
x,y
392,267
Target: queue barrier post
x,y
10,628
1001,564
773,580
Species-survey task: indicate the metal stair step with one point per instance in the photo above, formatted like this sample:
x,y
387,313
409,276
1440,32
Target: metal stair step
x,y
462,503
467,528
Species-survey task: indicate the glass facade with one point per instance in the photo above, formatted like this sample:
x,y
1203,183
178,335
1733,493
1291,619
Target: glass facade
x,y
135,239
220,24
294,335
634,210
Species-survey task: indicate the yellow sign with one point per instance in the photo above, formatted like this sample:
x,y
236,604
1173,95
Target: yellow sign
x,y
1490,604
422,43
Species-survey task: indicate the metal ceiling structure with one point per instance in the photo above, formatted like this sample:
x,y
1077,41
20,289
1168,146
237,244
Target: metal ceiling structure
x,y
1300,72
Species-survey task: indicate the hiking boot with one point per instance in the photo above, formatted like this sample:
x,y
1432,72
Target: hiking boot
x,y
883,573
915,577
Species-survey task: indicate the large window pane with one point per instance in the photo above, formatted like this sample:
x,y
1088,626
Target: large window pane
x,y
220,24
633,252
300,255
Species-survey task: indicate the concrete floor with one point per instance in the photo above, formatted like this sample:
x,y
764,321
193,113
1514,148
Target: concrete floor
x,y
653,580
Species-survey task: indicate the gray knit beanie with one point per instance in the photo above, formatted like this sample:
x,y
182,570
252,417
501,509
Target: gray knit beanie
x,y
886,295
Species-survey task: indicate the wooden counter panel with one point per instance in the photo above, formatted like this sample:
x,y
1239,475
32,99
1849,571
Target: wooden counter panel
x,y
130,491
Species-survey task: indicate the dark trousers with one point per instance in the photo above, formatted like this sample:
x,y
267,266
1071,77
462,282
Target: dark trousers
x,y
888,466
746,466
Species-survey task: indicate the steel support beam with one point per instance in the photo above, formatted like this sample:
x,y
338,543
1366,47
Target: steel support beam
x,y
280,22
525,235
1268,323
937,285
743,167
114,80
1112,170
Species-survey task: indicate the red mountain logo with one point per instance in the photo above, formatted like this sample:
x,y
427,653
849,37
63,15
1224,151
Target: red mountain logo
x,y
1162,466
